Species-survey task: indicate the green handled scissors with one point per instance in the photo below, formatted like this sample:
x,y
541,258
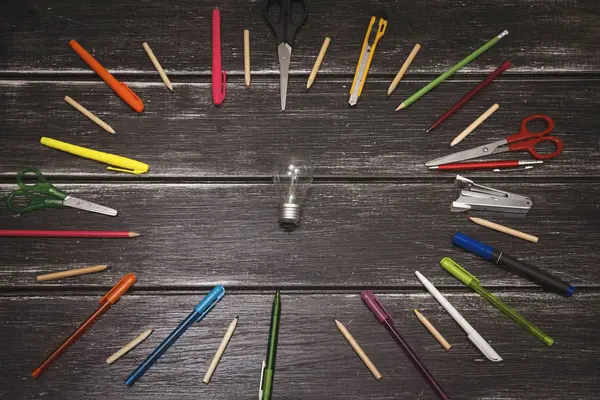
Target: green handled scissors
x,y
42,194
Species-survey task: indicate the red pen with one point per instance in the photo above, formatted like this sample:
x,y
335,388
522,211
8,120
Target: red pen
x,y
483,165
490,78
106,302
218,75
385,319
120,88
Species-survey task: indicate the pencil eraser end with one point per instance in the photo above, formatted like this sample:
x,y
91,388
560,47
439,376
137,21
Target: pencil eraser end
x,y
570,291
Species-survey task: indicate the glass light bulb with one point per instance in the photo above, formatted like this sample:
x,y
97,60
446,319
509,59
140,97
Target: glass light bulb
x,y
292,177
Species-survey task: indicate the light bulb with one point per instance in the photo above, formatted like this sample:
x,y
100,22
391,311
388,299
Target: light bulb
x,y
292,176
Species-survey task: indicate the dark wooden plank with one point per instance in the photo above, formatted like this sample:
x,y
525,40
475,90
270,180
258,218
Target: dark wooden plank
x,y
558,36
313,360
351,235
183,135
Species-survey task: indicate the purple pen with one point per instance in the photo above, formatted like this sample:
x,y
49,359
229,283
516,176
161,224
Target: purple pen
x,y
384,317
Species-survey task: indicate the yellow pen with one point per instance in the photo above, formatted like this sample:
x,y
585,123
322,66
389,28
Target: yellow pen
x,y
364,61
118,163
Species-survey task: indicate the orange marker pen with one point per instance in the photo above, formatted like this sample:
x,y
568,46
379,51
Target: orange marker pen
x,y
119,87
106,302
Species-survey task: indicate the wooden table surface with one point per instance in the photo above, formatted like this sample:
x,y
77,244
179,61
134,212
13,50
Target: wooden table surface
x,y
208,211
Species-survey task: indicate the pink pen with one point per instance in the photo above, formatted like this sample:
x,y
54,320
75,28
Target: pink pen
x,y
384,317
218,75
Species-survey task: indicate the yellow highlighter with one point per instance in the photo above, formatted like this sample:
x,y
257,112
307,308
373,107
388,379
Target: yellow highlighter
x,y
366,56
118,163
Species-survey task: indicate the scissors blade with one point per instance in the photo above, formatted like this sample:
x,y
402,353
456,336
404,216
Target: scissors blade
x,y
481,151
74,202
285,52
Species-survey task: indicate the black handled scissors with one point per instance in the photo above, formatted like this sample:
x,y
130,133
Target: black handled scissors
x,y
285,28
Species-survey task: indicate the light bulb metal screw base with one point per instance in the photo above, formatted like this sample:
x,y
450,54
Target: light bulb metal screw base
x,y
289,214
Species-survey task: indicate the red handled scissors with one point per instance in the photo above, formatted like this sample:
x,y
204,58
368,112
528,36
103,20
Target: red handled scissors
x,y
525,140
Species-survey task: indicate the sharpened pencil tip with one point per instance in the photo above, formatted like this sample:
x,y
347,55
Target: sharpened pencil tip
x,y
400,107
134,234
237,317
429,130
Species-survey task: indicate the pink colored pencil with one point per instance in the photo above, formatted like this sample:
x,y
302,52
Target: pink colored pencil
x,y
67,234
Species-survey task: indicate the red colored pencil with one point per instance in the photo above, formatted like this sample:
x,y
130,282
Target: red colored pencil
x,y
484,165
490,78
68,234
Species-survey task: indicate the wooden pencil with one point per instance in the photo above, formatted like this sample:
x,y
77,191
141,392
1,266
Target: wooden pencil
x,y
89,114
403,69
474,124
129,346
220,351
434,332
247,57
71,272
505,229
359,351
318,61
158,67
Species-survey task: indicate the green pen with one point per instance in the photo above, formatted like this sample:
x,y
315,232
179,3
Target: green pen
x,y
469,280
266,384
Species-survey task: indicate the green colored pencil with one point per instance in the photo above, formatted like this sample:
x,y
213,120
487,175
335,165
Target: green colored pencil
x,y
452,70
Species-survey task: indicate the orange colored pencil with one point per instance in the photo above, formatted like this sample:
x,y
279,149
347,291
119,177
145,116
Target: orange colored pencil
x,y
120,88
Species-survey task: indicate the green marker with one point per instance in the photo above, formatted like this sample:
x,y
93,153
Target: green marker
x,y
451,71
465,277
266,386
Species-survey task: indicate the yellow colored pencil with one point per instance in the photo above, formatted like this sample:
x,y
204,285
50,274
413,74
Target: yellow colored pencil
x,y
129,346
359,351
505,229
475,124
318,61
158,67
403,69
90,115
247,57
71,272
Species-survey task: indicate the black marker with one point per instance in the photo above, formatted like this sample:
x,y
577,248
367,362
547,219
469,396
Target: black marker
x,y
544,279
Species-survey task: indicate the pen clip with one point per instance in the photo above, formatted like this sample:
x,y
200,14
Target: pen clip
x,y
260,386
458,271
135,96
118,290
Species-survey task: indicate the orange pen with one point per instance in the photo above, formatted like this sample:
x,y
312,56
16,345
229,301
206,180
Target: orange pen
x,y
106,302
119,87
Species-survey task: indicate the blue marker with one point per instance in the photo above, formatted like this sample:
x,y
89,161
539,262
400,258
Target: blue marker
x,y
199,312
544,279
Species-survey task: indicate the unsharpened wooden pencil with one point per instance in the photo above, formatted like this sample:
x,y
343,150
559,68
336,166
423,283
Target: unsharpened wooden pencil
x,y
505,229
129,346
318,61
220,351
359,351
71,272
158,67
403,69
247,57
474,125
434,332
89,114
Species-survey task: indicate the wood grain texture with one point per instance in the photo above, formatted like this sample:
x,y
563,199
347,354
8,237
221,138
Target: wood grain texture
x,y
183,135
313,359
557,36
351,235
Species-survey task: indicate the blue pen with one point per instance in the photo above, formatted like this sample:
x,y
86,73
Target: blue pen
x,y
534,274
199,312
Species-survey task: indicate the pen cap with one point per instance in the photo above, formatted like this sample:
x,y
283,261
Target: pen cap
x,y
481,249
209,301
458,271
374,305
119,289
